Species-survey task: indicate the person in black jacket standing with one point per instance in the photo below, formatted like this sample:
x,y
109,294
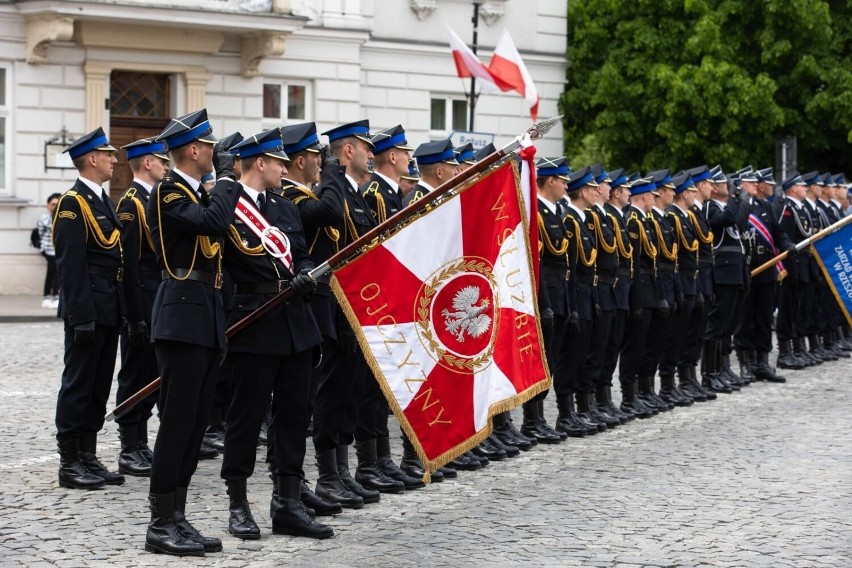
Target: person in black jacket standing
x,y
89,262
727,215
188,322
265,253
149,163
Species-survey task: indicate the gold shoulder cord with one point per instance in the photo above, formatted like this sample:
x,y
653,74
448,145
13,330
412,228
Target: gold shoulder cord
x,y
625,250
332,233
143,223
681,237
208,249
234,236
647,245
381,208
348,222
607,247
557,251
706,239
670,255
592,259
92,226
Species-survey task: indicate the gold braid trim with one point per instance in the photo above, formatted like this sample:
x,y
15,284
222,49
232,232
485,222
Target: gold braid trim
x,y
381,208
545,240
142,220
670,255
581,253
684,244
94,229
624,250
208,249
647,245
706,239
348,222
332,233
234,235
607,247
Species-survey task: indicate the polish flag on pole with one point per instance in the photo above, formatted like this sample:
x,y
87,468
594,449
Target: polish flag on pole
x,y
507,69
469,65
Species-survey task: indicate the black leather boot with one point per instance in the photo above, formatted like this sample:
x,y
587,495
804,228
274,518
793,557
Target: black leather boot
x,y
630,402
693,391
72,473
369,474
214,436
89,458
412,465
504,433
130,460
517,433
601,415
530,427
311,500
573,412
209,544
488,451
648,397
565,420
164,536
817,350
290,517
831,339
603,398
383,453
693,377
511,451
583,412
544,426
142,437
727,373
240,521
330,487
710,362
802,353
786,356
762,370
745,357
368,495
670,393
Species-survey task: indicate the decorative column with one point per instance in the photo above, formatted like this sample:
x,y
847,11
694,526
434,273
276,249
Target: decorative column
x,y
97,92
196,88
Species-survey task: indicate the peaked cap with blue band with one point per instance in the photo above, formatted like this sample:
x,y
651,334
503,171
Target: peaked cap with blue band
x,y
643,185
267,143
186,129
299,137
145,147
393,137
464,154
600,174
94,140
546,167
484,152
794,180
230,141
413,173
699,173
618,179
661,178
581,178
359,129
718,176
812,178
683,182
436,152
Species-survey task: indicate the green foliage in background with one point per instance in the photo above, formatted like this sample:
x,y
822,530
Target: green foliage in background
x,y
677,83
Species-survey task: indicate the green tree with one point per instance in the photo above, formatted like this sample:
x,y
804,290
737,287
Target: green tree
x,y
677,83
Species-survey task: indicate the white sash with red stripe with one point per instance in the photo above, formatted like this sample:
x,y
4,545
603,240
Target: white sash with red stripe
x,y
761,229
273,239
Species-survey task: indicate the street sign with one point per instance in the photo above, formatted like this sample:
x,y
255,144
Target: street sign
x,y
478,139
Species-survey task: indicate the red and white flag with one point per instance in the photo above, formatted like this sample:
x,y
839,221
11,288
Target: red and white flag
x,y
509,72
445,311
469,65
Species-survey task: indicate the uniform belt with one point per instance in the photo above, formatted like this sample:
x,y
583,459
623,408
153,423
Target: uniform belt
x,y
214,280
648,271
624,272
116,273
562,273
706,261
667,267
586,279
608,280
261,287
734,249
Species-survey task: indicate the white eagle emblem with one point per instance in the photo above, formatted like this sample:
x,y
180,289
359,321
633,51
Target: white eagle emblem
x,y
467,316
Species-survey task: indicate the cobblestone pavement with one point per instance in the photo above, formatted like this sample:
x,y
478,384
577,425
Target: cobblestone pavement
x,y
757,478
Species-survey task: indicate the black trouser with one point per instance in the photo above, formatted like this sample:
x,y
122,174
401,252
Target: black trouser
x,y
789,305
676,347
600,341
335,406
755,333
613,347
658,332
633,347
256,377
723,315
569,377
224,391
86,380
138,368
189,374
372,408
554,340
51,278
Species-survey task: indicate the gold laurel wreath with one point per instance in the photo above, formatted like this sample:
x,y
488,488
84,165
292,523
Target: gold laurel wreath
x,y
429,290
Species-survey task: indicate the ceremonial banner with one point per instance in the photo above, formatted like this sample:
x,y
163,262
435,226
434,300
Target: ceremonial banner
x,y
834,255
445,311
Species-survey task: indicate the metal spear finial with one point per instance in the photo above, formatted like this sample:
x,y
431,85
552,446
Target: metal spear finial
x,y
540,128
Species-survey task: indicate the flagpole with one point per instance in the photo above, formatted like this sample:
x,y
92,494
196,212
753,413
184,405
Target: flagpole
x,y
804,244
473,95
361,245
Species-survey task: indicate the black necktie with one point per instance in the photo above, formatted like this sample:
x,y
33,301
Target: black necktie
x,y
104,196
261,202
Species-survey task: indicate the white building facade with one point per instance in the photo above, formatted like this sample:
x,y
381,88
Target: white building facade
x,y
69,66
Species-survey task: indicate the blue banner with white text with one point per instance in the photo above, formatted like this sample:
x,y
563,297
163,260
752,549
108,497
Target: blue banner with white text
x,y
834,255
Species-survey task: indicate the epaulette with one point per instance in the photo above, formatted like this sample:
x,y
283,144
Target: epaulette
x,y
373,187
71,193
131,192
